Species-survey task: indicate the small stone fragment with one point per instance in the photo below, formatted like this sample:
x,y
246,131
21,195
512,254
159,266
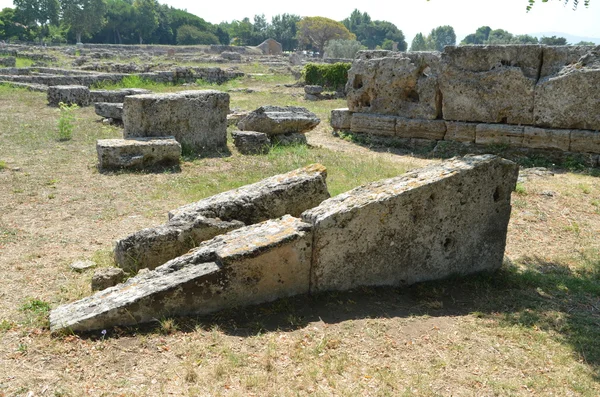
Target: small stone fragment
x,y
80,266
107,277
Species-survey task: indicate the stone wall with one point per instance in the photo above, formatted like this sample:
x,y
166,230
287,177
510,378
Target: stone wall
x,y
446,219
529,96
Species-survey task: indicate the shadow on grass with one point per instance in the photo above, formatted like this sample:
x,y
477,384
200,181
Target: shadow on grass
x,y
535,294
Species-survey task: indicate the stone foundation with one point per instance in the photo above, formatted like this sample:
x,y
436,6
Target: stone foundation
x,y
139,153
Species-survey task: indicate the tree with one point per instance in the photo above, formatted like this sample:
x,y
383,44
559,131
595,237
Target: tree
x,y
146,18
283,29
83,16
419,43
553,40
343,48
11,27
38,11
499,36
318,31
241,31
575,3
585,43
374,33
442,36
119,22
525,39
189,35
479,37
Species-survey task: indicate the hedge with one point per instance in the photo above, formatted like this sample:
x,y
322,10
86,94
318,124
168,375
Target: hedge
x,y
333,76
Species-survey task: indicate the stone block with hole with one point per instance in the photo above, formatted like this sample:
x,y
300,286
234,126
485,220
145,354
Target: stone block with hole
x,y
197,119
137,153
68,94
445,219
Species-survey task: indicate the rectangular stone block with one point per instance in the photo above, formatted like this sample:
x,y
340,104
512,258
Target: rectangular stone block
x,y
460,132
197,119
115,96
445,219
290,193
420,128
109,110
69,95
585,141
544,138
138,153
341,119
502,134
255,264
373,124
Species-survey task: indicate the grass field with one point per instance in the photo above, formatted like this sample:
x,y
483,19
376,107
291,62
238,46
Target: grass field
x,y
531,328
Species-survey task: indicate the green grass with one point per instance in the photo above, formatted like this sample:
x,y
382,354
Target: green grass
x,y
36,312
344,171
2,165
133,81
24,62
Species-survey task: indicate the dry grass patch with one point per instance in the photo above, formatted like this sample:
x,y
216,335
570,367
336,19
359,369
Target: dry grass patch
x,y
530,328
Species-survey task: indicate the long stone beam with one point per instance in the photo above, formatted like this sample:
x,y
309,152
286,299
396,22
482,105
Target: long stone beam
x,y
257,263
290,193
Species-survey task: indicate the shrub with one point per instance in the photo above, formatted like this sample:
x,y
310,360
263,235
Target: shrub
x,y
190,35
333,76
343,48
65,121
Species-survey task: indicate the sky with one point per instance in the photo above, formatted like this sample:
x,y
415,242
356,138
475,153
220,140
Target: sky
x,y
414,16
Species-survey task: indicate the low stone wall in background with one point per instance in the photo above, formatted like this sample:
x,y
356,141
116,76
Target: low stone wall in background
x,y
530,96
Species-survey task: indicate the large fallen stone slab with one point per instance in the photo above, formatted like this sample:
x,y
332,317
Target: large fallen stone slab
x,y
109,110
69,95
255,264
197,119
290,193
490,84
273,120
395,84
137,153
445,219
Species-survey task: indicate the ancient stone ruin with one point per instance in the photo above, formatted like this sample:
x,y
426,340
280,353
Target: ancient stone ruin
x,y
280,125
532,96
445,219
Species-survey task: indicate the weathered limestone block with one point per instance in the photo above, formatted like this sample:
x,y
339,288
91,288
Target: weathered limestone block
x,y
109,110
557,57
115,96
585,141
107,277
69,94
419,128
341,119
289,193
313,89
544,138
460,132
493,84
137,153
502,134
399,84
231,56
9,62
251,142
273,120
255,264
373,124
449,218
293,138
197,119
570,98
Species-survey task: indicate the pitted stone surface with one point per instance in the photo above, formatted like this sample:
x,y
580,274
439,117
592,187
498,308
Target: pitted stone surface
x,y
341,119
251,142
137,153
449,218
289,193
115,96
197,119
398,84
255,264
69,95
273,120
